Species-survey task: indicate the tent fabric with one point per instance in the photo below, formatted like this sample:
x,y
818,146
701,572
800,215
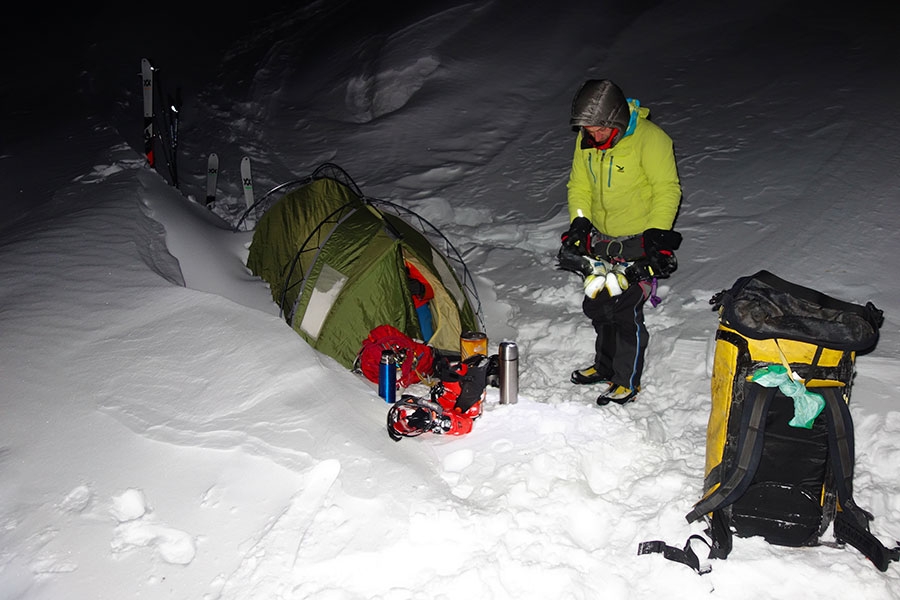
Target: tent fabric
x,y
445,320
335,264
281,232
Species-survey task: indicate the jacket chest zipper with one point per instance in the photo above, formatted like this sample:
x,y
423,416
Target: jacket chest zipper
x,y
609,169
601,154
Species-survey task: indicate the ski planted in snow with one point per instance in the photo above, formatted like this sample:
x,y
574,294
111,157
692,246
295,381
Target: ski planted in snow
x,y
247,181
174,110
212,177
147,77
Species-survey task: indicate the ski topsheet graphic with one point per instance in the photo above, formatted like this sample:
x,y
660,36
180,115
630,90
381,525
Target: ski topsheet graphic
x,y
147,78
212,177
247,181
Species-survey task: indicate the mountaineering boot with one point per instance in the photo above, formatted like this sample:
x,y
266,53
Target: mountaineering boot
x,y
618,394
588,376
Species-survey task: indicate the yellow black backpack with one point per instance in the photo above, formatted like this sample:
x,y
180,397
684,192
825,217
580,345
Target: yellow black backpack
x,y
780,451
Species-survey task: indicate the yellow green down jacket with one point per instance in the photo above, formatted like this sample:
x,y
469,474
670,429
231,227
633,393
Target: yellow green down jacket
x,y
630,187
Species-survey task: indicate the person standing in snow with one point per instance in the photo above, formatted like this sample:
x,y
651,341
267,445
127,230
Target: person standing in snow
x,y
623,197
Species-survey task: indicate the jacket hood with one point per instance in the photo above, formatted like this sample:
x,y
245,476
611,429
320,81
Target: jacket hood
x,y
600,103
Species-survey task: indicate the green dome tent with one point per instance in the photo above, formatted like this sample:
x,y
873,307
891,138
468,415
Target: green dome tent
x,y
337,264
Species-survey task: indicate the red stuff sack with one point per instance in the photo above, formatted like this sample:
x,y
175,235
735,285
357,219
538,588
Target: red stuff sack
x,y
415,360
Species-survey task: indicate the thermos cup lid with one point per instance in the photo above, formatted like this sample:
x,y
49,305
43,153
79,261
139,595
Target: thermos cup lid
x,y
509,351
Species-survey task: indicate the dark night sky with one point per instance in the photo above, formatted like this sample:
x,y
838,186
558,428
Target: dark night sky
x,y
69,64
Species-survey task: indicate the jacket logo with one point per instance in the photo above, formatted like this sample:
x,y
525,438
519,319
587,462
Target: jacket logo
x,y
620,168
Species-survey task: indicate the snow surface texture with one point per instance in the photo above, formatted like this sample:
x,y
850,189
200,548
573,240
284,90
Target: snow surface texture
x,y
165,435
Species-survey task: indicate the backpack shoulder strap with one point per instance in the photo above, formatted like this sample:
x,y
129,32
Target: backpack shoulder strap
x,y
851,524
736,481
849,531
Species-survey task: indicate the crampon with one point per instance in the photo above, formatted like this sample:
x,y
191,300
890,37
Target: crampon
x,y
412,416
455,402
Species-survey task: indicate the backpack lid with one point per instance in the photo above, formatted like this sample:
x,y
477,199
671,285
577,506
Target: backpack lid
x,y
763,306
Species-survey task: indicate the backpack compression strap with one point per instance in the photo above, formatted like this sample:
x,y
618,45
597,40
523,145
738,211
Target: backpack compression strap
x,y
685,556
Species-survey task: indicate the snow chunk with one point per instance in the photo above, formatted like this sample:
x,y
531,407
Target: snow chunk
x,y
173,545
139,529
458,461
129,505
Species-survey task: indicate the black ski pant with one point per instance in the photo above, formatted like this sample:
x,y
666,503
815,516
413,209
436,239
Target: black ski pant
x,y
621,335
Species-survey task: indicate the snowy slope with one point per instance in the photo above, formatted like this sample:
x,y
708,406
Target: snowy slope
x,y
166,435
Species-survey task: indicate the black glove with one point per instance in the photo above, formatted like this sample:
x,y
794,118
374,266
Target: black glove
x,y
659,256
578,236
661,239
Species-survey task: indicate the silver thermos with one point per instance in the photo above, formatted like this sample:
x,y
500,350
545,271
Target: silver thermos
x,y
509,373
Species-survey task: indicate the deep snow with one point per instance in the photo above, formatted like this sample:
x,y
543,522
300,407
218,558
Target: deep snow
x,y
165,435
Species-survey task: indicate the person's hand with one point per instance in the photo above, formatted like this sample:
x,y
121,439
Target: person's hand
x,y
659,247
578,236
661,239
657,264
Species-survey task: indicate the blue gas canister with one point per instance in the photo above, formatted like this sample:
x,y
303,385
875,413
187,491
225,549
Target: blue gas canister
x,y
387,376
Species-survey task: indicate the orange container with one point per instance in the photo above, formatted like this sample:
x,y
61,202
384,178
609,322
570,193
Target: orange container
x,y
472,342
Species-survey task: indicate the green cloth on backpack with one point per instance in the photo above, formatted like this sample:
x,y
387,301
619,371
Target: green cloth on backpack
x,y
807,405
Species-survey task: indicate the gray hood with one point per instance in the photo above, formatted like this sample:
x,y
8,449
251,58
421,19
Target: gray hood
x,y
600,103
